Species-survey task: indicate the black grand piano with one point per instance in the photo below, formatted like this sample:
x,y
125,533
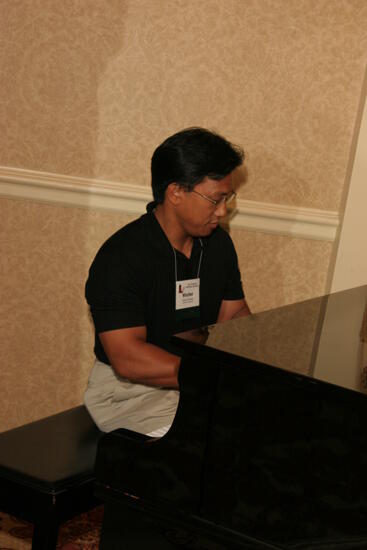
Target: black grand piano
x,y
268,449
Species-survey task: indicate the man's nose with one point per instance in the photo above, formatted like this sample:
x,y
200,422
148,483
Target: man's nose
x,y
221,209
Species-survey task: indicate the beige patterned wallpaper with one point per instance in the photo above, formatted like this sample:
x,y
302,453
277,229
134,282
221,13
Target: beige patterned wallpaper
x,y
90,88
279,270
46,333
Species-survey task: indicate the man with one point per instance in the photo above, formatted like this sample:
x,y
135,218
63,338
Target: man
x,y
172,270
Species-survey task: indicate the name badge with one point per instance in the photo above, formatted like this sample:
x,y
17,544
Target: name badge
x,y
187,293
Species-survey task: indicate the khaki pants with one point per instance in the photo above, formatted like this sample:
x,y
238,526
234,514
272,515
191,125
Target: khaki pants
x,y
114,402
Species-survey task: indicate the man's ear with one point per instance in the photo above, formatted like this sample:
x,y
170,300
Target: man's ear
x,y
174,193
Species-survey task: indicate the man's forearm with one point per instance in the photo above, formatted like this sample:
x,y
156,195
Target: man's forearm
x,y
154,366
231,309
135,359
150,365
243,312
197,335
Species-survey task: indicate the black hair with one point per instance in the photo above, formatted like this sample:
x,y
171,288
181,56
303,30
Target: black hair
x,y
189,156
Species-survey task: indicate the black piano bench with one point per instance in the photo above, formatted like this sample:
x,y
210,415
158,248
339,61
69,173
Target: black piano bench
x,y
47,472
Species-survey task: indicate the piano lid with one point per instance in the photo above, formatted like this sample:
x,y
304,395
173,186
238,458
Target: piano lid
x,y
319,338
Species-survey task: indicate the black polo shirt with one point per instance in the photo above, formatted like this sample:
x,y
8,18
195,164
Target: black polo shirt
x,y
132,281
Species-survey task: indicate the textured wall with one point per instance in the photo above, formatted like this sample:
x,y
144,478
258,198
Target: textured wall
x,y
46,333
279,270
90,88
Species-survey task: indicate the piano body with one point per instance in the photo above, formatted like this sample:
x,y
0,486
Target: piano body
x,y
262,453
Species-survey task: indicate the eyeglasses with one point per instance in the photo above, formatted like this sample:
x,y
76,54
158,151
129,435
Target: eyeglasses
x,y
226,200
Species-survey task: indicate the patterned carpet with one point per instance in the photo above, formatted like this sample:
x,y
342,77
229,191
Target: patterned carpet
x,y
83,533
80,533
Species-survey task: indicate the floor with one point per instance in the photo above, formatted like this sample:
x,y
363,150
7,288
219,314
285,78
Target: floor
x,y
81,533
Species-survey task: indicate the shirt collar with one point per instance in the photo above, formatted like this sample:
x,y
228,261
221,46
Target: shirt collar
x,y
158,239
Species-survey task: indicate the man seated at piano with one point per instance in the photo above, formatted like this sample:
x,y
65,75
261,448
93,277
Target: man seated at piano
x,y
172,270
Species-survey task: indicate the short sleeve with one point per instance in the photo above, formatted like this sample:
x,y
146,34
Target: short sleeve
x,y
115,291
233,289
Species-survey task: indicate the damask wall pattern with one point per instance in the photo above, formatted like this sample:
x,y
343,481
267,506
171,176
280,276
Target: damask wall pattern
x,y
278,270
90,88
46,332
